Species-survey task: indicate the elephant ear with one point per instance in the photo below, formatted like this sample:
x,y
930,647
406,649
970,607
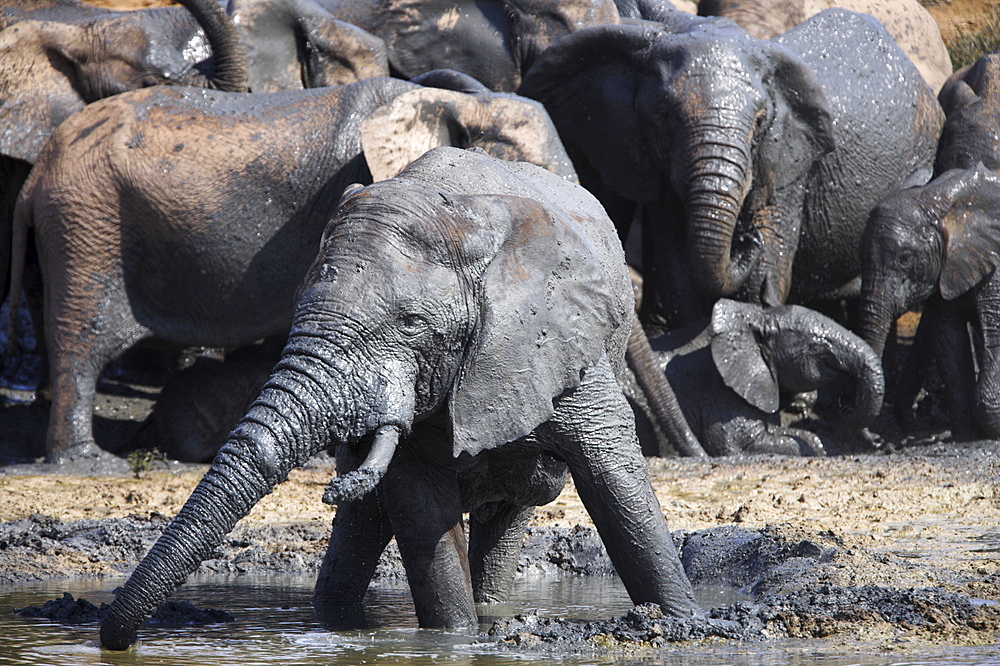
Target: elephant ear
x,y
803,109
739,356
588,81
546,309
35,99
971,229
339,53
504,126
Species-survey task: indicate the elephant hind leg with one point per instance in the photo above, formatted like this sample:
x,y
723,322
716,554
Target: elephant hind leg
x,y
494,546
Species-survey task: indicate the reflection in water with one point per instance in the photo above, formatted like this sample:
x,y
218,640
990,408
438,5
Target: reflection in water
x,y
276,625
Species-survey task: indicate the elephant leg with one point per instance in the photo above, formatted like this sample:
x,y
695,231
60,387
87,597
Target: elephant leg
x,y
494,545
987,299
592,431
424,507
915,368
360,533
953,354
79,348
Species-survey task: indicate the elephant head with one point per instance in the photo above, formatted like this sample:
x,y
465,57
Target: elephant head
x,y
715,128
451,292
761,352
971,99
942,238
52,68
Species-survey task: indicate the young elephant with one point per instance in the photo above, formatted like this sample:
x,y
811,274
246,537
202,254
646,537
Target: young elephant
x,y
202,210
468,307
940,243
734,367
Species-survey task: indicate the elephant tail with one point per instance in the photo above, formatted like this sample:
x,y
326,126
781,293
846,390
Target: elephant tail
x,y
358,483
659,394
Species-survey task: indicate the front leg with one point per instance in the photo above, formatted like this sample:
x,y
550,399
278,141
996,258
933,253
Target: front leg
x,y
495,534
591,430
987,299
424,506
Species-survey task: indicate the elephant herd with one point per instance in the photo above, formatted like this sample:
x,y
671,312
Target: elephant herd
x,y
437,216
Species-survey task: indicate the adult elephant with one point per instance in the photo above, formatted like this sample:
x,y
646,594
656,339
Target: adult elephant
x,y
468,307
745,154
494,41
911,26
204,209
735,367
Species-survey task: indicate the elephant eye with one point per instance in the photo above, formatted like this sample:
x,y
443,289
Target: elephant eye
x,y
411,322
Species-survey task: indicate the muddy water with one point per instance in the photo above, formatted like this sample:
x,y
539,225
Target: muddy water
x,y
276,625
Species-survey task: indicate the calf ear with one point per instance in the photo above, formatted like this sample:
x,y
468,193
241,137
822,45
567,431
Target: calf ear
x,y
739,356
546,307
971,230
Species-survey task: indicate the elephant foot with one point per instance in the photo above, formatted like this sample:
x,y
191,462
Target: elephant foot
x,y
87,458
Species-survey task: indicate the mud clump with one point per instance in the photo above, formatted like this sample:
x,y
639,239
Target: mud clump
x,y
172,614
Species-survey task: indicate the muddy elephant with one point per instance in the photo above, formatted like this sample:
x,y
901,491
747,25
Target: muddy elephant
x,y
938,244
466,307
203,210
745,155
494,41
972,104
911,26
731,371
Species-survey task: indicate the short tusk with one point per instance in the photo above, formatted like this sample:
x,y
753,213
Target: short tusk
x,y
355,485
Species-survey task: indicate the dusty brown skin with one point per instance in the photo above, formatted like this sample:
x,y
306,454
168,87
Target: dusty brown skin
x,y
910,25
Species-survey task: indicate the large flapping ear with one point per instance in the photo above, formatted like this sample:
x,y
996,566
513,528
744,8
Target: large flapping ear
x,y
588,82
504,126
547,306
37,90
740,357
801,106
971,228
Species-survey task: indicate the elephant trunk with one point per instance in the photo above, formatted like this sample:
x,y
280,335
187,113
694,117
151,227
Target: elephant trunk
x,y
231,72
358,483
865,366
659,395
721,261
296,415
876,316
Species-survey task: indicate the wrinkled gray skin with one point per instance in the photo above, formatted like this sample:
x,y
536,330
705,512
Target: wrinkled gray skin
x,y
468,307
731,371
201,210
911,26
494,41
55,57
938,244
744,155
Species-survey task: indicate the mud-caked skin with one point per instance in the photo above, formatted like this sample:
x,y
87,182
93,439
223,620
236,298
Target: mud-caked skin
x,y
199,211
466,307
939,243
911,26
746,155
730,371
494,41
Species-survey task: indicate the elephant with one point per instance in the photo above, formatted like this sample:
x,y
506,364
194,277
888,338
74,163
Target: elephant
x,y
972,105
911,26
203,209
465,308
494,41
752,164
937,245
730,371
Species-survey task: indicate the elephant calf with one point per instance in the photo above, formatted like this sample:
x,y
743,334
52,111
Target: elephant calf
x,y
729,372
467,307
